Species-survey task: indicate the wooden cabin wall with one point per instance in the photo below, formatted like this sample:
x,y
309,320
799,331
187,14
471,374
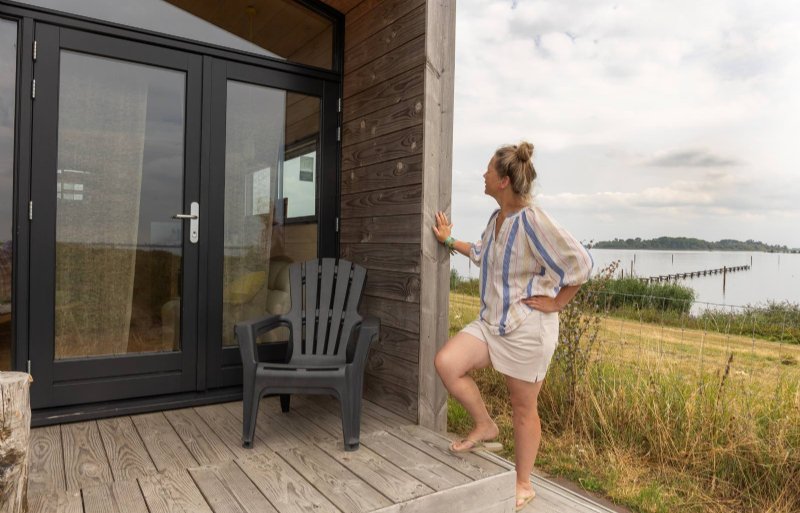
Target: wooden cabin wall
x,y
393,180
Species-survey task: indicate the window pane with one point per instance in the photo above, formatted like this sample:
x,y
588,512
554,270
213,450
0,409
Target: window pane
x,y
270,134
282,29
8,78
119,182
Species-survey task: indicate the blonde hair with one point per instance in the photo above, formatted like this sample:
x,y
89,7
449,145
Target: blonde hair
x,y
514,161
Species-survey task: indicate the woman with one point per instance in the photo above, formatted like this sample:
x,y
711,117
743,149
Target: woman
x,y
530,269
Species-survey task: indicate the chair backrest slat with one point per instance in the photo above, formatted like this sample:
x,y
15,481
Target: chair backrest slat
x,y
325,297
310,304
337,312
351,310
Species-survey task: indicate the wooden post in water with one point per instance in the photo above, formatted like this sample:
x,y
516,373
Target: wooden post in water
x,y
632,267
724,277
15,435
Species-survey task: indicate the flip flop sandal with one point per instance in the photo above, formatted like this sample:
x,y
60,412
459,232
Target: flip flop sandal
x,y
475,445
525,500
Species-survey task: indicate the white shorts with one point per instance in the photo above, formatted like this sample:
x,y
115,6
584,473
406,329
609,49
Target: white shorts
x,y
525,353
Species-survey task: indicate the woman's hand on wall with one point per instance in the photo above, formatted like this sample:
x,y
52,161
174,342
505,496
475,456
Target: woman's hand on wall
x,y
443,227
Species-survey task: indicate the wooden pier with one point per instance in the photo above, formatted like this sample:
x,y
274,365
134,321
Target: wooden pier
x,y
694,274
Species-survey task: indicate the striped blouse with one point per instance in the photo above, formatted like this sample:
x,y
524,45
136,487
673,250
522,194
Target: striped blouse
x,y
531,256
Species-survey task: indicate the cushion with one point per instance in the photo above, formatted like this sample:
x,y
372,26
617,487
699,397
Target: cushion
x,y
245,287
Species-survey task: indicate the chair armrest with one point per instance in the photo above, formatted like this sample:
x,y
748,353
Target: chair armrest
x,y
368,331
248,331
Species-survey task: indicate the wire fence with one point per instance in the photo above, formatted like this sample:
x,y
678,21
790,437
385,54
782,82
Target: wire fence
x,y
647,331
757,341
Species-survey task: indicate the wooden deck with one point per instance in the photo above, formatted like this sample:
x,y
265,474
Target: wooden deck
x,y
192,461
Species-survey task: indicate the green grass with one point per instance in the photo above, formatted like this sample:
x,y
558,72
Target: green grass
x,y
663,418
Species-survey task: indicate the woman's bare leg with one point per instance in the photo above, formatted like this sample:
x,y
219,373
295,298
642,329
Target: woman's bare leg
x,y
527,430
461,354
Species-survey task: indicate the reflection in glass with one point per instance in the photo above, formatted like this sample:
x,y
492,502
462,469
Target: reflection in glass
x,y
271,138
118,183
282,29
8,78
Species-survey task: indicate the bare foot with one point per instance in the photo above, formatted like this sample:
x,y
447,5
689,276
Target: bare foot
x,y
482,432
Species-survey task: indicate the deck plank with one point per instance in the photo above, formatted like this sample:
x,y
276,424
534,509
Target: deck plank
x,y
301,426
172,492
381,474
215,492
162,442
270,433
85,461
369,424
118,497
228,489
427,469
435,445
349,493
285,488
46,470
199,438
46,501
127,455
226,426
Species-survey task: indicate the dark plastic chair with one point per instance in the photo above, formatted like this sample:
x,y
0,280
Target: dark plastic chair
x,y
328,345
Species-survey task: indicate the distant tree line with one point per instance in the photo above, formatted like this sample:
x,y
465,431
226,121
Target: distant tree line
x,y
689,243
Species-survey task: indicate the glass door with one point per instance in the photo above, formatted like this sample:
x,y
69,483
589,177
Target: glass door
x,y
115,218
273,179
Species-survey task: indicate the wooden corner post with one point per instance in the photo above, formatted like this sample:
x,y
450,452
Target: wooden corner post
x,y
440,24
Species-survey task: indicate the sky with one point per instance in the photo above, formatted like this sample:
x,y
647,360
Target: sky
x,y
648,118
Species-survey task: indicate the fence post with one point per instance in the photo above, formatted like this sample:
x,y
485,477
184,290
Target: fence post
x,y
15,433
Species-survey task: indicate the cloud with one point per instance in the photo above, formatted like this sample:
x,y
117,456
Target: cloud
x,y
648,118
691,158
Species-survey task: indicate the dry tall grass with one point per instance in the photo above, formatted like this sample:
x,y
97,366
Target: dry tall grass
x,y
662,419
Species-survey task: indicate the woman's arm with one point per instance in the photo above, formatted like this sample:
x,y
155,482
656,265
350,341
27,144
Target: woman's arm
x,y
442,231
553,304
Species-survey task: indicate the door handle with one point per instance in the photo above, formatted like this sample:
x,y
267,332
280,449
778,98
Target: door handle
x,y
194,221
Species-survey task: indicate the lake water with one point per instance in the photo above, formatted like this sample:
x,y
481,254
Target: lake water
x,y
773,276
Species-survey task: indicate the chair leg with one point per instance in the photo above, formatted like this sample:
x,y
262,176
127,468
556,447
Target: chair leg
x,y
250,402
351,418
285,398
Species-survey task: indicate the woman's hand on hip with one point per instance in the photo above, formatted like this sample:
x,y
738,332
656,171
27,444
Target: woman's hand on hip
x,y
443,226
542,303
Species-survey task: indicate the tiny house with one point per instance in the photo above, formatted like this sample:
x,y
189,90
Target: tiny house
x,y
163,161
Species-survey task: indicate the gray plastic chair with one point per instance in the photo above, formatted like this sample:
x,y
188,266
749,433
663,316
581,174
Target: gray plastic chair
x,y
328,345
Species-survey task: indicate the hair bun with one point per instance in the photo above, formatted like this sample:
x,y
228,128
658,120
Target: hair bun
x,y
524,151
